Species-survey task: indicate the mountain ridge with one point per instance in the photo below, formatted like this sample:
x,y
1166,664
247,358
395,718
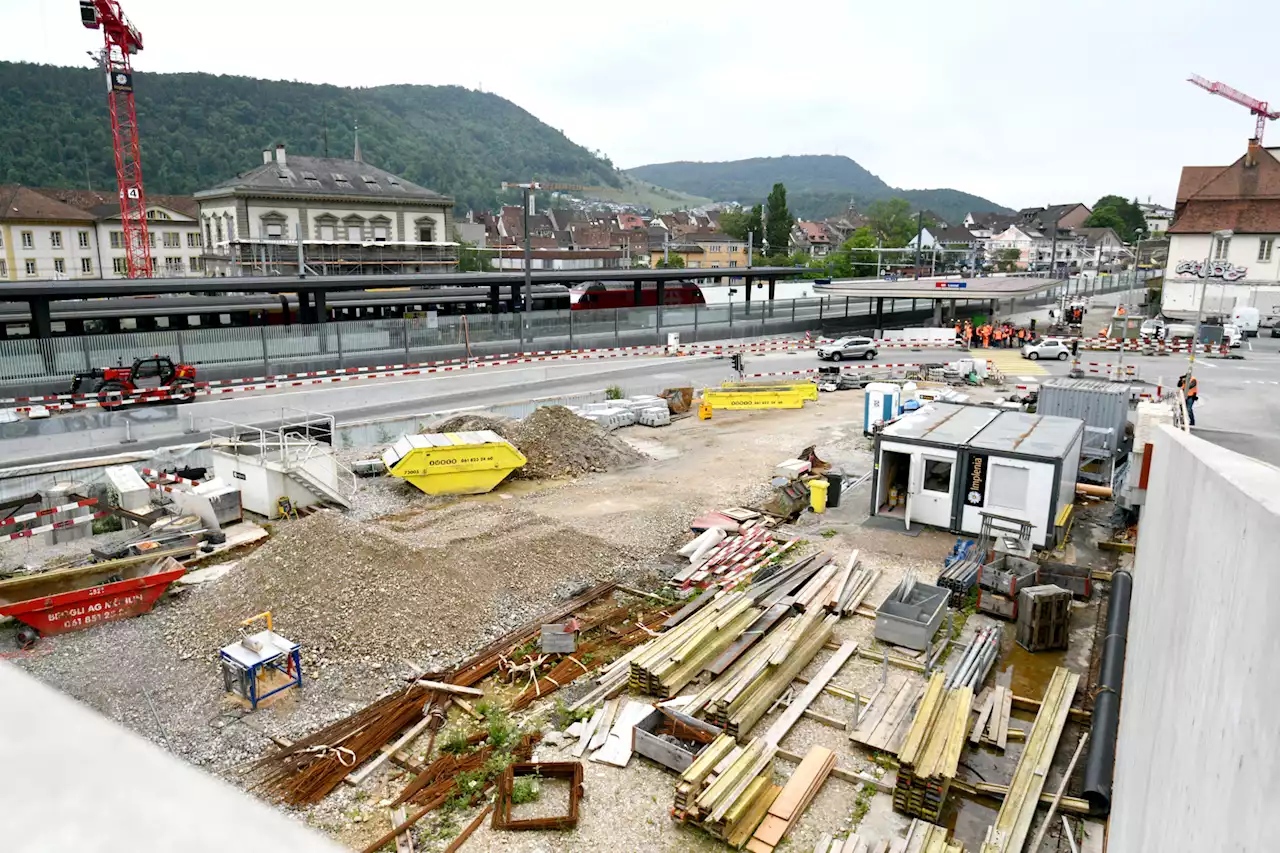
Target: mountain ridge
x,y
818,185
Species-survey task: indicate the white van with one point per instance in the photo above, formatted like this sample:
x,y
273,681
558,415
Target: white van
x,y
1247,321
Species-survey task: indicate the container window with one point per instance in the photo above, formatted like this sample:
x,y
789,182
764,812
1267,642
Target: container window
x,y
937,476
1008,488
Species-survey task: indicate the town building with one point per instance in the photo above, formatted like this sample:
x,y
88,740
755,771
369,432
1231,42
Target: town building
x,y
702,250
69,234
1243,269
346,217
1037,245
810,238
1158,217
1103,247
985,223
1070,215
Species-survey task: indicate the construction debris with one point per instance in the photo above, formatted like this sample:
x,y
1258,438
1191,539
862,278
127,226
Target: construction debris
x,y
1044,618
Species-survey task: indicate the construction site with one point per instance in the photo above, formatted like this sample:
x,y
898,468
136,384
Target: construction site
x,y
766,613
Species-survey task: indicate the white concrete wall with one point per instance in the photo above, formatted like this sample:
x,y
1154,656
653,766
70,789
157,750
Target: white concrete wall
x,y
44,254
1242,252
1196,764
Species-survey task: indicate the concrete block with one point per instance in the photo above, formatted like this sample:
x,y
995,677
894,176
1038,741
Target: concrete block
x,y
57,495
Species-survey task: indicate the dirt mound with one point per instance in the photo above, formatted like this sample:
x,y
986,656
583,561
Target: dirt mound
x,y
427,587
472,423
558,443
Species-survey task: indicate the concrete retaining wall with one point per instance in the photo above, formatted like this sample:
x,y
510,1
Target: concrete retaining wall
x,y
1198,756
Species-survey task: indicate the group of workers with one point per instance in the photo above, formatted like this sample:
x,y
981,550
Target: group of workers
x,y
998,335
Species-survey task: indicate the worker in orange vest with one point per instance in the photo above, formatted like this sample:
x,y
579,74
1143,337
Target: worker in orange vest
x,y
986,336
1191,390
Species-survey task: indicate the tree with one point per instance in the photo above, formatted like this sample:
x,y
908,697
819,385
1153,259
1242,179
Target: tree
x,y
1112,208
891,221
471,259
777,221
1007,259
673,262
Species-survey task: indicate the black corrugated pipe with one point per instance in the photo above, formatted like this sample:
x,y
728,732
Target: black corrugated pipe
x,y
1100,763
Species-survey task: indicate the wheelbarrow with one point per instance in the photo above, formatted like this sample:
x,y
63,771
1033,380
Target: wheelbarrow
x,y
72,599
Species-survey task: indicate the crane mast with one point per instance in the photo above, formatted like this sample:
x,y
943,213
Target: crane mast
x,y
121,40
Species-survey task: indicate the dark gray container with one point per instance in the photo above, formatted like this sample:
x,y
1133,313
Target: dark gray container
x,y
1097,402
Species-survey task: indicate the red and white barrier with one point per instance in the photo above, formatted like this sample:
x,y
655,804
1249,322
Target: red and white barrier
x,y
167,478
28,516
57,525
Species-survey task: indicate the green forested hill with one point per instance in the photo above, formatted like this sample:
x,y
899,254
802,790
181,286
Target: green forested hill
x,y
199,129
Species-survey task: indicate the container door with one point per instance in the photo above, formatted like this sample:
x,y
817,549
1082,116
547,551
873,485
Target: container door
x,y
932,486
937,488
913,487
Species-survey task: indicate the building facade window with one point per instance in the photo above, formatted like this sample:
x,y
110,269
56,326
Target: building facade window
x,y
1221,246
208,233
30,266
328,232
86,265
55,239
59,265
117,239
4,268
172,240
83,239
118,266
173,264
193,239
355,229
1265,245
28,240
218,223
195,264
151,239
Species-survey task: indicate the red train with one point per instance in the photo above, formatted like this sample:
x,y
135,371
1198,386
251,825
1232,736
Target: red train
x,y
622,294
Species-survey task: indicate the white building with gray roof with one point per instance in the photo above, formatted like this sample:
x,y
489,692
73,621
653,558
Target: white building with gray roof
x,y
349,216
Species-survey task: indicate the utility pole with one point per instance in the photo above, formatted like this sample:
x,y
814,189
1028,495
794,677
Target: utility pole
x,y
919,238
750,241
528,261
1053,249
878,256
666,249
1225,234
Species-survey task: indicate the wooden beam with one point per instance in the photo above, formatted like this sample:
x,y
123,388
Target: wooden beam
x,y
851,776
455,689
1024,703
362,774
800,704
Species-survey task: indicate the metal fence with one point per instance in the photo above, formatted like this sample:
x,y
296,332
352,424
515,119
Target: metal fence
x,y
233,351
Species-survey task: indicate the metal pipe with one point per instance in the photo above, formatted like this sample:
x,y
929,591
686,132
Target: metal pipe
x,y
1100,763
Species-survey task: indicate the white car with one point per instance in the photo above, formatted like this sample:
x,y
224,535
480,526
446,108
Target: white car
x,y
1047,348
1231,335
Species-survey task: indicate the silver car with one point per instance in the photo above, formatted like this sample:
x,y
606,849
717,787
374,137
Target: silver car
x,y
847,348
1046,348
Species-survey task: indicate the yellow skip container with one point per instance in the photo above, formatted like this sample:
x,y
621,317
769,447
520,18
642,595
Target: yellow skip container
x,y
740,399
807,390
453,463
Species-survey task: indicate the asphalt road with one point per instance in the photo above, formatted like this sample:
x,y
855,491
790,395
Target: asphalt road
x,y
1239,408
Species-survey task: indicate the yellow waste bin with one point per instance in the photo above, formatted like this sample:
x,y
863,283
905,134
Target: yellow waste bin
x,y
818,495
453,463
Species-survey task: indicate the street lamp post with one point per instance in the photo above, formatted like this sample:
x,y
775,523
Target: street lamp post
x,y
1124,322
1224,234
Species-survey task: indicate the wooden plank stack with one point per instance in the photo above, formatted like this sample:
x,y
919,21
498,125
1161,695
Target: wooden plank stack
x,y
930,755
675,658
992,726
885,721
1009,833
928,838
728,789
793,800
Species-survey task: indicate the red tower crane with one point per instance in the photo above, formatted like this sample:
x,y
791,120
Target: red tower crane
x,y
122,40
1259,108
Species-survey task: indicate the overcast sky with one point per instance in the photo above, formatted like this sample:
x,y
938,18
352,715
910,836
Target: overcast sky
x,y
1023,103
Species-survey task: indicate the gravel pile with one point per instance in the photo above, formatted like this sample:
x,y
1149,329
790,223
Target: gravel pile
x,y
425,586
557,443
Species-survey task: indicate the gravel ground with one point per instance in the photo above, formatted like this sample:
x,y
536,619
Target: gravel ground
x,y
407,577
